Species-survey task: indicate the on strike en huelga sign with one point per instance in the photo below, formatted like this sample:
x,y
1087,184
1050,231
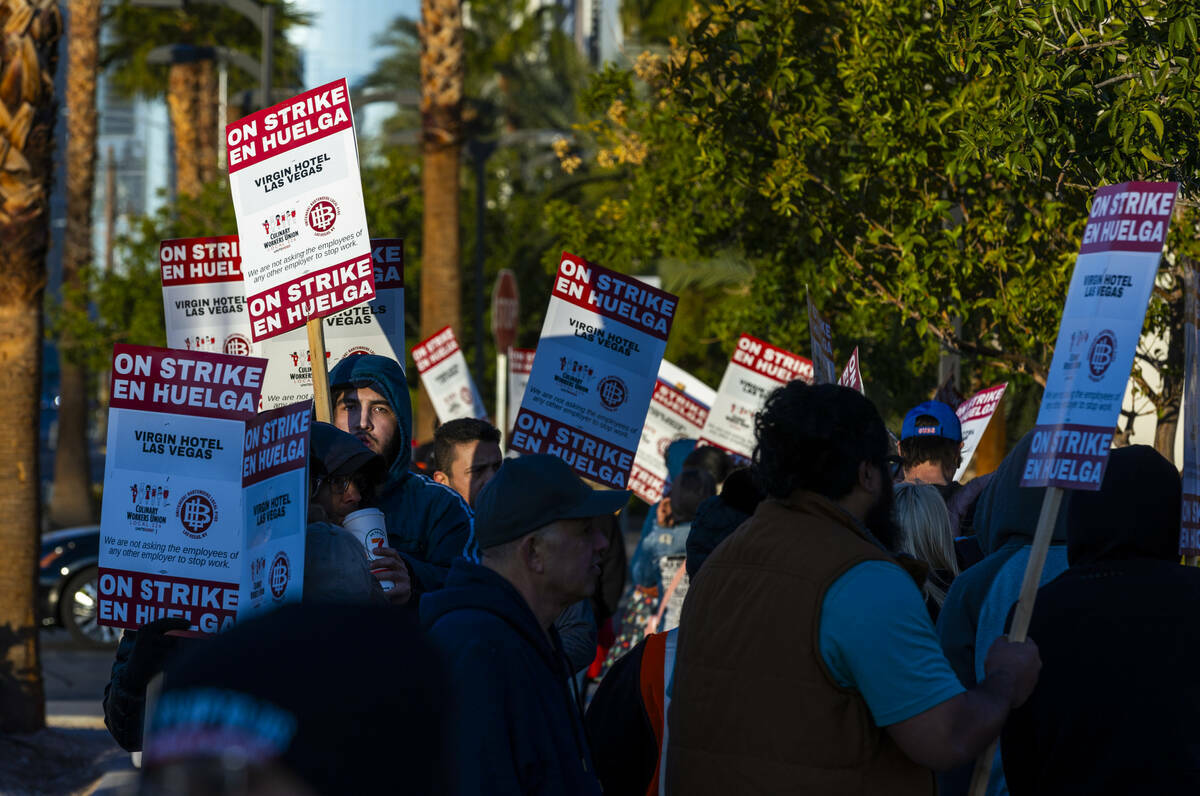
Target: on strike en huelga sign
x,y
202,495
520,365
852,374
824,371
1101,324
443,371
293,173
974,414
686,383
205,308
673,415
755,371
602,340
1189,525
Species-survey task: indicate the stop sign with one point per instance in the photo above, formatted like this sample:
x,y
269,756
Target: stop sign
x,y
505,308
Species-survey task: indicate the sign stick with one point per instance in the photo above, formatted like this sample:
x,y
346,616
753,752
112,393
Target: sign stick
x,y
502,396
1023,612
320,373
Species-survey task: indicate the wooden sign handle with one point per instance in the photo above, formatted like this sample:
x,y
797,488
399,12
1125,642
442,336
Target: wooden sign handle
x,y
320,373
1023,613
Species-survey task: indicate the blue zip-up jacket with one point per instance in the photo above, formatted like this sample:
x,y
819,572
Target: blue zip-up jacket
x,y
428,524
515,725
977,607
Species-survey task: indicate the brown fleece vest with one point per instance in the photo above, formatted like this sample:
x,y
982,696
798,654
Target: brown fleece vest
x,y
754,708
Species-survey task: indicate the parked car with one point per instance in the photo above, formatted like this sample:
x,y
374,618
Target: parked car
x,y
68,586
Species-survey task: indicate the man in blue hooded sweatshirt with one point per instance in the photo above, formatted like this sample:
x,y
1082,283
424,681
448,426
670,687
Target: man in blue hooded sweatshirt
x,y
977,607
515,725
429,524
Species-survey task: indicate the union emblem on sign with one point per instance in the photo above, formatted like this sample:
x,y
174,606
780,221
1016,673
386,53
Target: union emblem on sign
x,y
281,573
196,512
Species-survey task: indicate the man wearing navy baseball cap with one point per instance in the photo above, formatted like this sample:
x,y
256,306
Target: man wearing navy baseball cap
x,y
515,723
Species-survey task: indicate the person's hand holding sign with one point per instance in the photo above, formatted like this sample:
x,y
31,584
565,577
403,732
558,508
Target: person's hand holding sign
x,y
388,567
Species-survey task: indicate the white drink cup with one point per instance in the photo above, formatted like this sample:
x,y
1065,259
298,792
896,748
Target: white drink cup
x,y
368,526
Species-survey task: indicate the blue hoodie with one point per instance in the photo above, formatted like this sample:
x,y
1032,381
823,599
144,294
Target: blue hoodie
x,y
515,727
428,523
977,607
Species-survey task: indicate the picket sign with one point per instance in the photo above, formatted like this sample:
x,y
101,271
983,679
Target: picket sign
x,y
852,374
302,222
1189,521
824,371
1097,338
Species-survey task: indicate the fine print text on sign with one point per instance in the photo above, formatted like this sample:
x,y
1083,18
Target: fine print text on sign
x,y
293,173
1097,338
443,371
594,374
673,415
974,414
756,370
173,522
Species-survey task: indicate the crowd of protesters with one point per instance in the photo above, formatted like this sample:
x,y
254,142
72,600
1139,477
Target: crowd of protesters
x,y
829,619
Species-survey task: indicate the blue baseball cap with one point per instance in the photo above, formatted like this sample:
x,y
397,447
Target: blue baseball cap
x,y
947,427
532,491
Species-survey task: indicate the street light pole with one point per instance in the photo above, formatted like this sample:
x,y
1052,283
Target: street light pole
x,y
268,53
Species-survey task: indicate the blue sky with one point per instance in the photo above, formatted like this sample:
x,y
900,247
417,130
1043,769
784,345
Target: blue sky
x,y
340,40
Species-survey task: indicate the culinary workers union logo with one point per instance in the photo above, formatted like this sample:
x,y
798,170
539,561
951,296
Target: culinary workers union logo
x,y
196,512
321,215
236,344
613,392
1101,354
281,573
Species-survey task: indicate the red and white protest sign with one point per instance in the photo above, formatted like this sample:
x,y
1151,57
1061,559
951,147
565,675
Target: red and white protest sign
x,y
974,415
1098,336
852,374
594,374
824,371
673,415
756,370
687,384
173,529
293,173
520,365
205,307
1189,522
443,370
506,308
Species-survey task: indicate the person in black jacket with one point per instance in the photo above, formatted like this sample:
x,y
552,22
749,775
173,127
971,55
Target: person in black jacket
x,y
1115,708
515,723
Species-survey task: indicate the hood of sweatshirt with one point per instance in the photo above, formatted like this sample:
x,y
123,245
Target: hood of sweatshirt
x,y
1009,512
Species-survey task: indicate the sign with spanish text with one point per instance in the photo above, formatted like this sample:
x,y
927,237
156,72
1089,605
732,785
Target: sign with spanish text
x,y
852,374
373,328
673,415
443,370
1098,335
686,383
974,415
520,365
824,371
205,307
173,528
1189,522
756,370
595,370
302,223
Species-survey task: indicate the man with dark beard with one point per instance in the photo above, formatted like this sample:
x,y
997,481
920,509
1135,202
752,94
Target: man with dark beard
x,y
807,662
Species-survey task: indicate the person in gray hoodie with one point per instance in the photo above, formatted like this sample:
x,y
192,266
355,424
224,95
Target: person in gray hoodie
x,y
978,603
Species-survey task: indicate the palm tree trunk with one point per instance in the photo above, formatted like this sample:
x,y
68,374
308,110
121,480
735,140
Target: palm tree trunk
x,y
71,502
183,106
207,110
441,124
27,113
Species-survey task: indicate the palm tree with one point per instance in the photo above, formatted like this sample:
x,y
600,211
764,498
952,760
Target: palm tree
x,y
441,141
27,61
191,88
72,502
